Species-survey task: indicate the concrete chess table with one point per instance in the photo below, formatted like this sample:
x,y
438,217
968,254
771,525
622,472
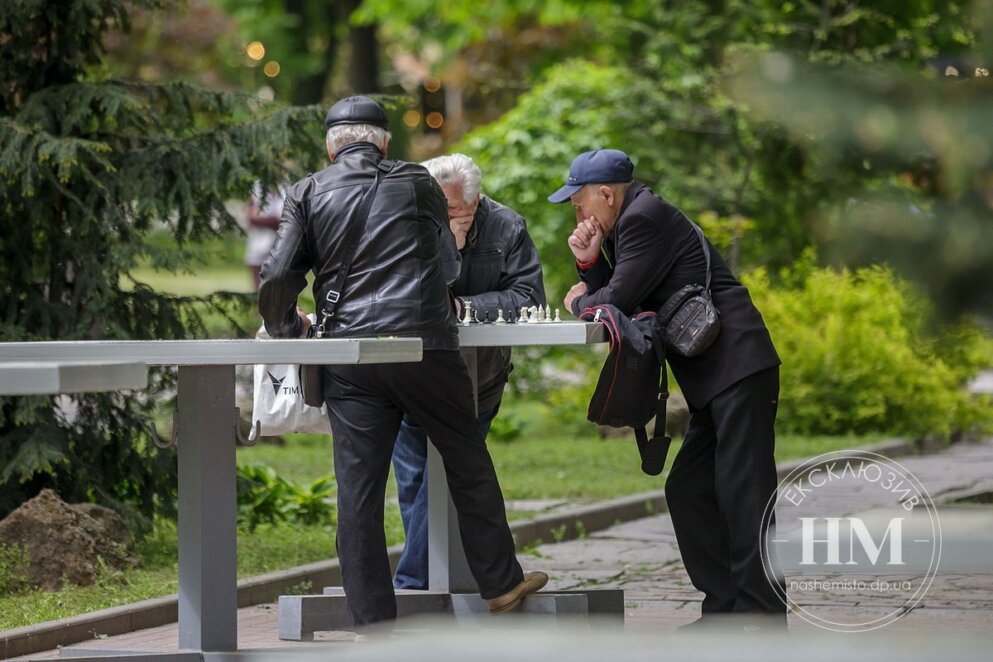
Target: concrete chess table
x,y
207,423
452,589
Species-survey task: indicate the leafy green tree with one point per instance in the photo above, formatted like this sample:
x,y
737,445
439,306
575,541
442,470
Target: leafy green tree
x,y
929,130
655,89
89,166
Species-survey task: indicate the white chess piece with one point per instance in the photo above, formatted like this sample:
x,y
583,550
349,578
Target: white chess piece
x,y
500,319
548,314
467,320
558,318
523,319
533,314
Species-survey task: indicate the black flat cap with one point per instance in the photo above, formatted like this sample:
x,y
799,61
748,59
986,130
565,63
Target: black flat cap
x,y
356,110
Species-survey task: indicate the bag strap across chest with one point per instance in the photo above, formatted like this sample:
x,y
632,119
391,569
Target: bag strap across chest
x,y
353,234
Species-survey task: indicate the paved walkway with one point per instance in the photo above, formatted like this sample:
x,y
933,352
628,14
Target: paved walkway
x,y
642,558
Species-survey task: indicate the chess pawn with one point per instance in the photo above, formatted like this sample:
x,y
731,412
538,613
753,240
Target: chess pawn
x,y
523,319
558,318
500,319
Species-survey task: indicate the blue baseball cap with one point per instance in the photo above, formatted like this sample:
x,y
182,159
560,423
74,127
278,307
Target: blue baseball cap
x,y
601,166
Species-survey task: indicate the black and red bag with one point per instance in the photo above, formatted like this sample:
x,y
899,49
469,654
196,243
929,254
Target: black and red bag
x,y
633,384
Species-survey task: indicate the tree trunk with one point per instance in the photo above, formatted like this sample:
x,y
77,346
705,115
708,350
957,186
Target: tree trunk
x,y
363,70
309,89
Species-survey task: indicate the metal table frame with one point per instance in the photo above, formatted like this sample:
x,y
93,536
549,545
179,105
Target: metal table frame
x,y
208,605
447,568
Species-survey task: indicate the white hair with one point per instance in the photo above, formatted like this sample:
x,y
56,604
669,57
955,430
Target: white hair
x,y
344,134
457,169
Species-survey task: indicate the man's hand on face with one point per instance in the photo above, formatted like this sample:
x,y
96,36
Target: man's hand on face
x,y
575,291
585,240
304,320
460,228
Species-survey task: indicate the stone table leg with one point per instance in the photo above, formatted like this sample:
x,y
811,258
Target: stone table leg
x,y
447,567
208,581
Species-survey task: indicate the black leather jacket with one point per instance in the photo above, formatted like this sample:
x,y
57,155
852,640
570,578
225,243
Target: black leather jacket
x,y
403,265
500,271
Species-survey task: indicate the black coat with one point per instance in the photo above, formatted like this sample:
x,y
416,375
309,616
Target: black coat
x,y
652,252
404,263
500,271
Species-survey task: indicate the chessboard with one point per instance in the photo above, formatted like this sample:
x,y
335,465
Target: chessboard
x,y
532,315
533,326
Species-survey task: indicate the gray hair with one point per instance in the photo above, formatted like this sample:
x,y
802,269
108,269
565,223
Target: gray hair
x,y
457,169
345,134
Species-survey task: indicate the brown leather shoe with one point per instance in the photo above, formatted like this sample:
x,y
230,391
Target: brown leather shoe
x,y
532,582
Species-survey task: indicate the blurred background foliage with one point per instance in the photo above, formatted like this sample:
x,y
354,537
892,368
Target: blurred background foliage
x,y
838,152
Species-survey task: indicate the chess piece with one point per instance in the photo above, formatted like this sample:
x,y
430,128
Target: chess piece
x,y
500,319
523,319
548,314
541,314
467,320
558,318
533,314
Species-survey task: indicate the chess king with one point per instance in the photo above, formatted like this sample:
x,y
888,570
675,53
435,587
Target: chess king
x,y
500,271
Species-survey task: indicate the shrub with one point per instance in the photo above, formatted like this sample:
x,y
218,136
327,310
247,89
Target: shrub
x,y
859,355
313,505
13,568
508,426
266,498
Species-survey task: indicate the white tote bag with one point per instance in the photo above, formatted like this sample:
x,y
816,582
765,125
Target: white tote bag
x,y
278,404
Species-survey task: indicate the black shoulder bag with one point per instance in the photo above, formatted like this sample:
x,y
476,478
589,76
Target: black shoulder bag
x,y
690,320
633,384
310,375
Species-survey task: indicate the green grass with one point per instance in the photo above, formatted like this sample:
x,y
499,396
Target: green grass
x,y
581,468
266,549
203,281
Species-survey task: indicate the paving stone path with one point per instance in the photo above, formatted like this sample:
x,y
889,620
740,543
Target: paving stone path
x,y
642,557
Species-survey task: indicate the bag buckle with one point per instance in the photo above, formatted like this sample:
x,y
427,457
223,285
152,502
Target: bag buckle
x,y
333,296
320,328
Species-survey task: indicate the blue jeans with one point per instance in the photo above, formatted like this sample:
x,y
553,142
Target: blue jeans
x,y
410,456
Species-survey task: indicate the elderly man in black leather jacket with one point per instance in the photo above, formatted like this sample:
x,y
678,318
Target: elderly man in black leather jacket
x,y
500,273
397,286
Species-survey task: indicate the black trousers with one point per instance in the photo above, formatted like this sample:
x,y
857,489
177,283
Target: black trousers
x,y
718,488
366,404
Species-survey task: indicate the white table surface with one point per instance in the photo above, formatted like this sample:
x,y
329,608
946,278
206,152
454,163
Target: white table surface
x,y
51,377
219,352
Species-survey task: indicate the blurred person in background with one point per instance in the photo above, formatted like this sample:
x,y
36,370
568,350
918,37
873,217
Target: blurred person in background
x,y
263,214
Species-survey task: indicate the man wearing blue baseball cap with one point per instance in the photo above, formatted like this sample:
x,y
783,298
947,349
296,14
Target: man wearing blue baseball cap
x,y
635,250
